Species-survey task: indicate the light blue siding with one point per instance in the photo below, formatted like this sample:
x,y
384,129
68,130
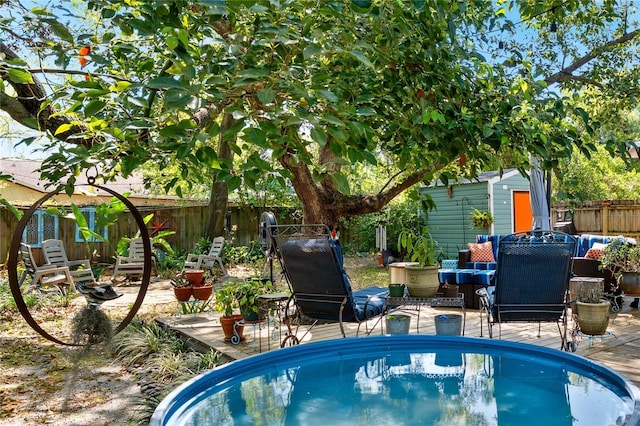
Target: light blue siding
x,y
450,224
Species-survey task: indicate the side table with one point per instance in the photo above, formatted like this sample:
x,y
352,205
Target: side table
x,y
408,303
273,303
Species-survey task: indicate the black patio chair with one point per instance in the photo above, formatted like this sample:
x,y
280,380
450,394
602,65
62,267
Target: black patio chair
x,y
531,283
312,263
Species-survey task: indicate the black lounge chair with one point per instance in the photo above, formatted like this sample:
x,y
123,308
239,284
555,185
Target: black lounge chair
x,y
532,281
312,263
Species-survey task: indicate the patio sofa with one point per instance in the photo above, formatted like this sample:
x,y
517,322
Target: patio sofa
x,y
473,272
476,268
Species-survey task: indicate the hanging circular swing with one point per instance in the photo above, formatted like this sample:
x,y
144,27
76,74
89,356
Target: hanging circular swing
x,y
12,263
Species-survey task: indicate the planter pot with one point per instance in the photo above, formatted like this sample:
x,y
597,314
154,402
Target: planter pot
x,y
448,325
233,332
203,292
251,316
396,290
397,272
593,318
422,282
397,324
194,276
450,290
630,283
183,294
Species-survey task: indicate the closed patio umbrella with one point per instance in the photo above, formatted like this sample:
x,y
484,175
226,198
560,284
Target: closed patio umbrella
x,y
539,196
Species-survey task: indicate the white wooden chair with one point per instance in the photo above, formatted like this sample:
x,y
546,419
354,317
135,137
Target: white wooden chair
x,y
207,261
55,254
45,276
130,266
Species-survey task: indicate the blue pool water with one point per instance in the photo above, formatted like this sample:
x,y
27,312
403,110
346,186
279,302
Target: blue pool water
x,y
405,380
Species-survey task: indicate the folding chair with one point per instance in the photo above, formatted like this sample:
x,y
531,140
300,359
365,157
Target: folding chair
x,y
531,283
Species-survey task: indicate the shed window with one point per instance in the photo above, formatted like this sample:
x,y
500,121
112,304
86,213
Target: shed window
x,y
90,216
41,226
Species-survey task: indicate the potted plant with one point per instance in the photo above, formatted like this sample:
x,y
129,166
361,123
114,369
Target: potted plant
x,y
422,279
182,288
204,290
247,294
480,218
592,309
396,290
397,323
623,260
232,324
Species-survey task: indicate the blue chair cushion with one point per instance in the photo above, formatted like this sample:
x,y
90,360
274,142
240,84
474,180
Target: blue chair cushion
x,y
481,265
365,310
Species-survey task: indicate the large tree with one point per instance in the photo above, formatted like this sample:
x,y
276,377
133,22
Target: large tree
x,y
307,89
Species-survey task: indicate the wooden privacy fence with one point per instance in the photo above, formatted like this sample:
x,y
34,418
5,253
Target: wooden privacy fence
x,y
615,217
187,222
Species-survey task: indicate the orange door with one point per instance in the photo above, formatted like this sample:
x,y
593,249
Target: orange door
x,y
522,215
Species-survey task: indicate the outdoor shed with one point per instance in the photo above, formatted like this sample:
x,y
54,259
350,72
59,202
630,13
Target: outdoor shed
x,y
506,197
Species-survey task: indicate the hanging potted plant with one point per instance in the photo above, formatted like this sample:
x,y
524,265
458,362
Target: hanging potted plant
x,y
623,260
182,288
481,219
422,279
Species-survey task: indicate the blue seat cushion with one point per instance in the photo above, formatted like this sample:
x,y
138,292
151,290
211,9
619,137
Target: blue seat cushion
x,y
365,310
484,277
482,265
456,276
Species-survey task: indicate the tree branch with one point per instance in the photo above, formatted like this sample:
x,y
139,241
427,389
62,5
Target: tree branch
x,y
567,72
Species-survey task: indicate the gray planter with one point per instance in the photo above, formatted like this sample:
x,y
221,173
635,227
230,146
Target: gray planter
x,y
397,324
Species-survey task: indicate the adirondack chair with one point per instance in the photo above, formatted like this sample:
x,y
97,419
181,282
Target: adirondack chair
x,y
531,283
132,265
207,261
45,276
83,279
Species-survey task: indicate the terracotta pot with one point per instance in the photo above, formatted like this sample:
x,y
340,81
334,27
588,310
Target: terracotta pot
x,y
194,276
183,294
202,292
228,324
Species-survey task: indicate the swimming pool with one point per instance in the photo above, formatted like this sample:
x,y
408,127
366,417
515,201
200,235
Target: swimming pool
x,y
405,380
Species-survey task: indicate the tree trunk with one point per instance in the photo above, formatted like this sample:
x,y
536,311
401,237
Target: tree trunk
x,y
216,213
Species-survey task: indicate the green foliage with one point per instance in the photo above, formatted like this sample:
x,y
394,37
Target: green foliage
x,y
239,255
359,232
597,177
316,87
419,246
242,294
480,219
619,256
